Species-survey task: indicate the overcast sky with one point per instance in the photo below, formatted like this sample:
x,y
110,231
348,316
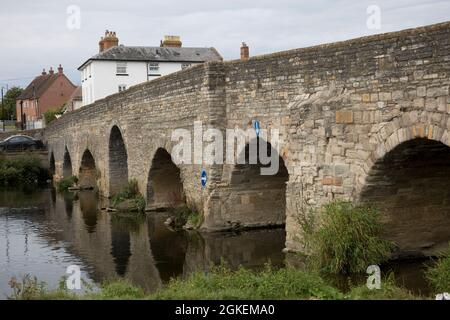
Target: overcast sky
x,y
34,34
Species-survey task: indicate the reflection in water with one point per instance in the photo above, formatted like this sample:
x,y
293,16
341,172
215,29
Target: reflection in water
x,y
45,232
120,246
51,231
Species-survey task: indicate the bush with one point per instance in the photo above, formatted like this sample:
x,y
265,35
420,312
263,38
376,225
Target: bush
x,y
66,183
50,115
182,215
345,239
438,273
22,170
130,193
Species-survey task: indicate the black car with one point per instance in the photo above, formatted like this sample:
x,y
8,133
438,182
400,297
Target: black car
x,y
21,142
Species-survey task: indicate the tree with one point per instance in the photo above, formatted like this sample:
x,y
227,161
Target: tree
x,y
9,103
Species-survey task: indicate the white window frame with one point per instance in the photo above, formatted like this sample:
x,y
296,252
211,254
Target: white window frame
x,y
153,67
121,67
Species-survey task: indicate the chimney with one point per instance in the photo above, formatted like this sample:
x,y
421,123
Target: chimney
x,y
108,41
43,72
245,52
171,41
60,70
50,71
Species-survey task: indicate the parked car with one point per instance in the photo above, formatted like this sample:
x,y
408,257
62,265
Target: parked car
x,y
20,142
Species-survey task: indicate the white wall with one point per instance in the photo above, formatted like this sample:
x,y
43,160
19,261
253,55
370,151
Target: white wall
x,y
99,78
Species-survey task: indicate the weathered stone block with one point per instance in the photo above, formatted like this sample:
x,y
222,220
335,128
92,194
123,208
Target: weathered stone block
x,y
344,116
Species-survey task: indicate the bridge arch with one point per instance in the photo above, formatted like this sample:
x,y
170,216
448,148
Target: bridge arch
x,y
257,199
88,171
164,184
408,178
118,161
67,164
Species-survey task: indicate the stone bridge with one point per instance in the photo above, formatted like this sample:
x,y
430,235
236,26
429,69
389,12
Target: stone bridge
x,y
366,119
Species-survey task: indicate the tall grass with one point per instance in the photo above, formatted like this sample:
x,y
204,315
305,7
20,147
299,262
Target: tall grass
x,y
438,273
344,238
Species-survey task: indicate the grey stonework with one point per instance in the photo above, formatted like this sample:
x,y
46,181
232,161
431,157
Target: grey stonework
x,y
340,109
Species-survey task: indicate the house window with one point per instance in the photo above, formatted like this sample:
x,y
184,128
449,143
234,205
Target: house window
x,y
121,68
122,87
153,66
185,65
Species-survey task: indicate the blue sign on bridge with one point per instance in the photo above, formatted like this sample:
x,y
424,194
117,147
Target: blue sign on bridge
x,y
203,179
256,127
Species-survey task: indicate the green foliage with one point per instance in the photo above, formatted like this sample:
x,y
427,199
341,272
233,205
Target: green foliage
x,y
222,283
119,290
22,170
26,289
9,103
66,183
388,290
438,273
182,215
130,193
50,115
346,239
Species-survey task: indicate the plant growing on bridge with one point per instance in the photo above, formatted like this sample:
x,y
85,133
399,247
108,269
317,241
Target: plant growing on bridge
x,y
129,198
345,238
66,183
438,273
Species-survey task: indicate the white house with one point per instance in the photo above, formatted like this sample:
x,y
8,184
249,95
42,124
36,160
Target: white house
x,y
117,67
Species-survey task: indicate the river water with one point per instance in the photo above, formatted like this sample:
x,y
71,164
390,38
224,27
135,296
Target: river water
x,y
44,232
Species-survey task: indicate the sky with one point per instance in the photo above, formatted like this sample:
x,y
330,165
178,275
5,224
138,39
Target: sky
x,y
37,34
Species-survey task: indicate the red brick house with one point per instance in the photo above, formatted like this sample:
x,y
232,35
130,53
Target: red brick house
x,y
49,91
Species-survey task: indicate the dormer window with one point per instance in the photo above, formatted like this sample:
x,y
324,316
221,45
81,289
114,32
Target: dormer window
x,y
185,65
121,68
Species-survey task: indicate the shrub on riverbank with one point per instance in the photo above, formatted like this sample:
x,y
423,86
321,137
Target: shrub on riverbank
x,y
66,183
22,170
438,273
345,238
183,216
129,198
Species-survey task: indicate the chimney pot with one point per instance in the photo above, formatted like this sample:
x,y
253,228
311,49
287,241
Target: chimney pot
x,y
171,41
50,71
60,69
245,51
43,72
108,41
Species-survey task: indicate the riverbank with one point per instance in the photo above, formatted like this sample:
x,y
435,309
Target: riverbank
x,y
222,283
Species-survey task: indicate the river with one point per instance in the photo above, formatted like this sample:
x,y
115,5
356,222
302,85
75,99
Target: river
x,y
44,232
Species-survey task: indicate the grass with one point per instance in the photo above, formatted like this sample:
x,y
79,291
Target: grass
x,y
130,195
438,273
221,283
345,238
22,171
66,183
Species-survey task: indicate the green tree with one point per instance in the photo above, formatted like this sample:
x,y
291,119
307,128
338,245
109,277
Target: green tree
x,y
9,103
